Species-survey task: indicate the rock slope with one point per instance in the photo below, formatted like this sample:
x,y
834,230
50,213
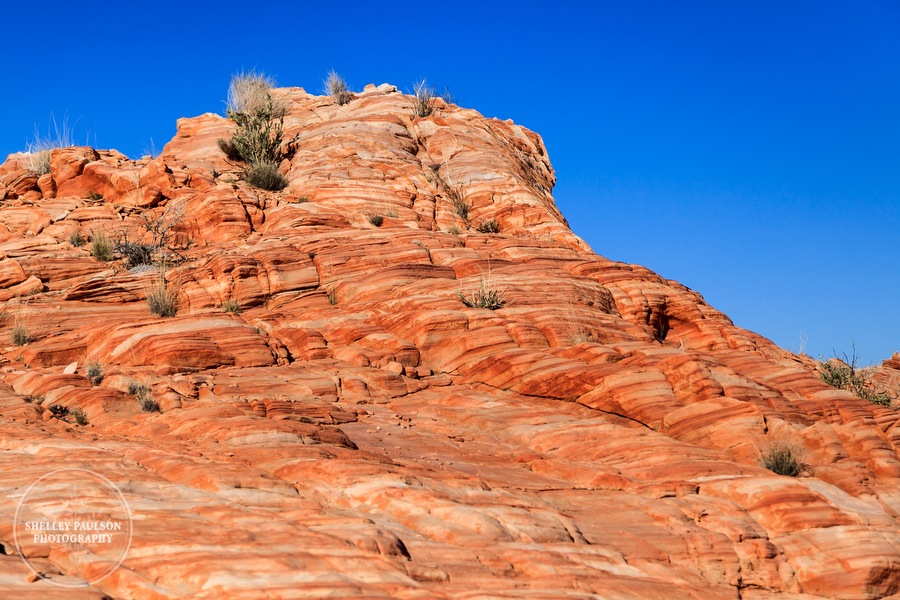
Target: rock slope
x,y
357,431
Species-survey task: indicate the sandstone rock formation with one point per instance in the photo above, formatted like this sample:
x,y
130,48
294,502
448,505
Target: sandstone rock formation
x,y
354,430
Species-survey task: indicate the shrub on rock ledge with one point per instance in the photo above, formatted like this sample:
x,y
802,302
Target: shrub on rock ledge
x,y
266,176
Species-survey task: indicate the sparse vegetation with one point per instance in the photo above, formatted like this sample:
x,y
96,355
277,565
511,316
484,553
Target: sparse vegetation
x,y
141,392
94,195
94,372
845,374
135,253
447,96
489,226
302,200
260,128
582,335
76,238
331,294
138,388
148,404
487,296
38,151
34,399
453,229
158,239
101,246
265,176
162,298
782,459
424,98
232,306
461,208
59,411
19,333
336,87
375,220
80,416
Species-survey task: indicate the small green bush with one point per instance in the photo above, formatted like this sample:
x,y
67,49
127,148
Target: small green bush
x,y
845,374
101,246
486,296
232,306
76,238
782,459
489,226
265,176
375,220
95,195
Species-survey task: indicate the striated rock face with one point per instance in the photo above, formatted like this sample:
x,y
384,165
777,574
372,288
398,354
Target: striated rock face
x,y
352,429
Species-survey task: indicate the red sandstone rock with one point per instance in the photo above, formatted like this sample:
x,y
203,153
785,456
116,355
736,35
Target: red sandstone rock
x,y
355,430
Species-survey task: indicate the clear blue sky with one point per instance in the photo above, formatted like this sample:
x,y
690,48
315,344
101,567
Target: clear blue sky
x,y
750,150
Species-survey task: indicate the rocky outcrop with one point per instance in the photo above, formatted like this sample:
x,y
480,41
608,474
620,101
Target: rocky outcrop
x,y
352,428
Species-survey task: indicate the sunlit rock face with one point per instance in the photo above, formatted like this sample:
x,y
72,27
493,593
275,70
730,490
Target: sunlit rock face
x,y
417,409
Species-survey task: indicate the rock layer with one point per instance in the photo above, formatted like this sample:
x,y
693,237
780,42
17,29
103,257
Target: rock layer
x,y
353,429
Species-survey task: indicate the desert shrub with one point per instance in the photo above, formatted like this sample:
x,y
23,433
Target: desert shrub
x,y
38,151
375,220
162,298
101,246
59,411
232,306
336,87
258,136
461,208
34,399
260,128
248,91
302,200
453,229
845,374
19,334
135,253
76,238
138,388
148,404
94,372
486,296
332,296
783,459
228,149
424,98
80,416
489,226
95,195
266,176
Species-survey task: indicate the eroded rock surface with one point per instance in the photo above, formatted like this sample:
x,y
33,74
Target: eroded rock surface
x,y
352,429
